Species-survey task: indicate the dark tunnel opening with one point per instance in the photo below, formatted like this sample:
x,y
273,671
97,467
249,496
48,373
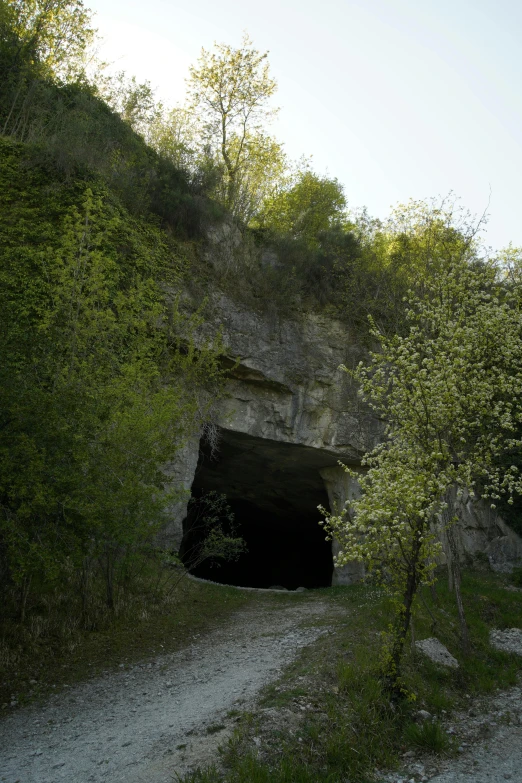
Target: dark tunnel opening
x,y
273,490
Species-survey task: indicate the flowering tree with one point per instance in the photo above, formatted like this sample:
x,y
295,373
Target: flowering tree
x,y
450,393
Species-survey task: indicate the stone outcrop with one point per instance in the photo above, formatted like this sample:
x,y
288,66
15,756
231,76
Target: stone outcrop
x,y
437,652
289,417
480,531
287,385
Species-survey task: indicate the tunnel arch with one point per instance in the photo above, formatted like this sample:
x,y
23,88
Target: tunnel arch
x,y
273,489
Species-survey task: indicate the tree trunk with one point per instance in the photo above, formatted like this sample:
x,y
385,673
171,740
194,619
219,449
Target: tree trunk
x,y
456,579
24,594
231,169
403,624
84,586
393,667
449,560
109,577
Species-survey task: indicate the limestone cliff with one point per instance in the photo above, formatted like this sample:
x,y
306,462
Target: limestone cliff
x,y
289,417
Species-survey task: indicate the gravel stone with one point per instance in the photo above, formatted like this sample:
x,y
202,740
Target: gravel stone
x,y
509,640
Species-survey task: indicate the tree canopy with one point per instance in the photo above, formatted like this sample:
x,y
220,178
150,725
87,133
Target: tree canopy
x,y
229,90
52,36
308,206
449,392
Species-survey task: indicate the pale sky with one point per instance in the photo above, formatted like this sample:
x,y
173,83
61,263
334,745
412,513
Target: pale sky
x,y
398,99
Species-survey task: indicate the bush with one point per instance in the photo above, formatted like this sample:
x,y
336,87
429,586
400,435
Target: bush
x,y
68,128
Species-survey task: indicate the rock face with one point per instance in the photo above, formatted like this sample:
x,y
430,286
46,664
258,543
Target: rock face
x,y
290,416
288,386
481,532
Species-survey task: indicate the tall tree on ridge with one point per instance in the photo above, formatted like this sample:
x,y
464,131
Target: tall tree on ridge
x,y
230,89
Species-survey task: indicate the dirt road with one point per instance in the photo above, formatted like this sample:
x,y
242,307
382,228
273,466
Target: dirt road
x,y
148,722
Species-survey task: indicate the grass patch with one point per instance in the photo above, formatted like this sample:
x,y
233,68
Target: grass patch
x,y
429,736
327,719
215,728
516,577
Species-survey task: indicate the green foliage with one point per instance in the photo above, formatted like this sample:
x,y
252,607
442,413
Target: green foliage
x,y
315,254
399,255
135,103
41,42
516,577
449,392
71,130
420,238
68,126
100,379
313,275
53,35
211,532
260,165
309,206
173,134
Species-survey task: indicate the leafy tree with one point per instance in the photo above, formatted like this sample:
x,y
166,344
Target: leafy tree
x,y
449,391
174,135
229,90
211,533
41,41
419,239
100,380
52,35
398,255
134,102
308,206
259,168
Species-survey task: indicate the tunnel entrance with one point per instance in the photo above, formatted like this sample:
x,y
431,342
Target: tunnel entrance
x,y
273,490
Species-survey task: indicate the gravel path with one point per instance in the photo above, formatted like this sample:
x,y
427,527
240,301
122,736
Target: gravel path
x,y
490,745
149,722
488,733
491,736
152,722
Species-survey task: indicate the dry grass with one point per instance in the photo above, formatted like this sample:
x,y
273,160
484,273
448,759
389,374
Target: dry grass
x,y
59,644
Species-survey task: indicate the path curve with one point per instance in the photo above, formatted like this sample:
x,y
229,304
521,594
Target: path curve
x,y
151,721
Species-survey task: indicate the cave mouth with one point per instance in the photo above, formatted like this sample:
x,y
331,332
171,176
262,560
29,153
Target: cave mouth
x,y
272,489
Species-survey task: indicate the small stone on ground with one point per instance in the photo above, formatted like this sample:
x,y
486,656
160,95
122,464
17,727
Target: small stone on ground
x,y
437,653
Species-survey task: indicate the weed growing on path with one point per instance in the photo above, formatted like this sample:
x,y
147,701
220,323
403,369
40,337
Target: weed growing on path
x,y
429,736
